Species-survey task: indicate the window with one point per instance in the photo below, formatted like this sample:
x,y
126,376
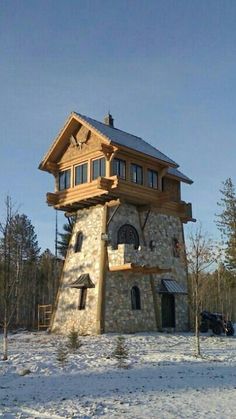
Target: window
x,y
176,248
99,168
81,174
129,235
152,179
82,298
64,180
136,174
135,298
119,168
78,242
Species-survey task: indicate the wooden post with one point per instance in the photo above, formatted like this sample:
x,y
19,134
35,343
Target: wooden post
x,y
157,317
102,276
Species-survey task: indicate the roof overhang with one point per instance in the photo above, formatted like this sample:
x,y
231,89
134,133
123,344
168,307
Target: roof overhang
x,y
72,124
170,286
83,281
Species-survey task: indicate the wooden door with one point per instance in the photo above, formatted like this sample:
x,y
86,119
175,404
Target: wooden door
x,y
168,310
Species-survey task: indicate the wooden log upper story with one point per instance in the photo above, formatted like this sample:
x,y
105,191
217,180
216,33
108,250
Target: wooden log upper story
x,y
89,168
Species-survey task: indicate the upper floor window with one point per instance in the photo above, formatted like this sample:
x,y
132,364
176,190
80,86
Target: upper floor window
x,y
129,235
135,298
136,174
64,180
152,179
99,168
81,174
78,242
119,168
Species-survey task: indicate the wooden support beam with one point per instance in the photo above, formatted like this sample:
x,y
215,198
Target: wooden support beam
x,y
130,267
155,304
102,276
112,215
113,203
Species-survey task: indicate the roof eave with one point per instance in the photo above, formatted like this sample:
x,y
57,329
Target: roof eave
x,y
73,115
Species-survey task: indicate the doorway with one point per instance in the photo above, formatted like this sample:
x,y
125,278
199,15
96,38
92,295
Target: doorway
x,y
168,310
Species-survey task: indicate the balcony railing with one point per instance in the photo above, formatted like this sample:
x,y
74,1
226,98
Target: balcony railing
x,y
105,189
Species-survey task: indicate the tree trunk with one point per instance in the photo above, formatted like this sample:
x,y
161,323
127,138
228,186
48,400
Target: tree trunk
x,y
5,337
197,335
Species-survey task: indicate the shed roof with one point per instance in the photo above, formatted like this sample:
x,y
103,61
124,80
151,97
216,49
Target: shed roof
x,y
171,286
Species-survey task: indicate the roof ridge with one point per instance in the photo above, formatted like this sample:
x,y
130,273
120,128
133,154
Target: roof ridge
x,y
125,132
117,129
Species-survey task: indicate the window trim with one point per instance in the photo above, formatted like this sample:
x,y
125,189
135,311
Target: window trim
x,y
152,172
119,161
80,165
100,175
136,166
66,184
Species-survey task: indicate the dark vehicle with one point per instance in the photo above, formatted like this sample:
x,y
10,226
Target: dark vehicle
x,y
217,323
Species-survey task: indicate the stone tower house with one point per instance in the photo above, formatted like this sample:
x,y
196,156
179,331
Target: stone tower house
x,y
125,268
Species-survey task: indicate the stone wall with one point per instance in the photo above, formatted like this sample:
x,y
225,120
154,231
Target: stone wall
x,y
89,222
119,316
160,229
118,313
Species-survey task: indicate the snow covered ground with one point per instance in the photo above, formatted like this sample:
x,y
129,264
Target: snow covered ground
x,y
163,379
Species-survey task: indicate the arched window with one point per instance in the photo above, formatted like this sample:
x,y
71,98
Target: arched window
x,y
78,242
129,235
176,247
135,298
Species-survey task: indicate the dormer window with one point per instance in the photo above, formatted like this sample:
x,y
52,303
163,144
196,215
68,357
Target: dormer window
x,y
136,174
64,180
119,168
152,179
99,168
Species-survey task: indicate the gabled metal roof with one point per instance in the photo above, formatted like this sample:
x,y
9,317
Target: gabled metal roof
x,y
172,287
128,140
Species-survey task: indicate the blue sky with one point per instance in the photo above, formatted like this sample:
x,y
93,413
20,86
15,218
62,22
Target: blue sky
x,y
165,69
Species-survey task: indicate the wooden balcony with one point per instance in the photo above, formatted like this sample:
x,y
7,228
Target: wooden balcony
x,y
104,189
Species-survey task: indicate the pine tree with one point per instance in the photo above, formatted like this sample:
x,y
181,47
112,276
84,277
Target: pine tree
x,y
226,222
63,244
74,342
121,352
62,355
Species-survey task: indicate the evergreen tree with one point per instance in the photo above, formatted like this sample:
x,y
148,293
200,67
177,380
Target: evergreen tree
x,y
63,244
74,342
226,222
121,352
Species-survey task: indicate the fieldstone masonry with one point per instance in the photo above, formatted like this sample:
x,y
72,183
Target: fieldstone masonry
x,y
118,315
